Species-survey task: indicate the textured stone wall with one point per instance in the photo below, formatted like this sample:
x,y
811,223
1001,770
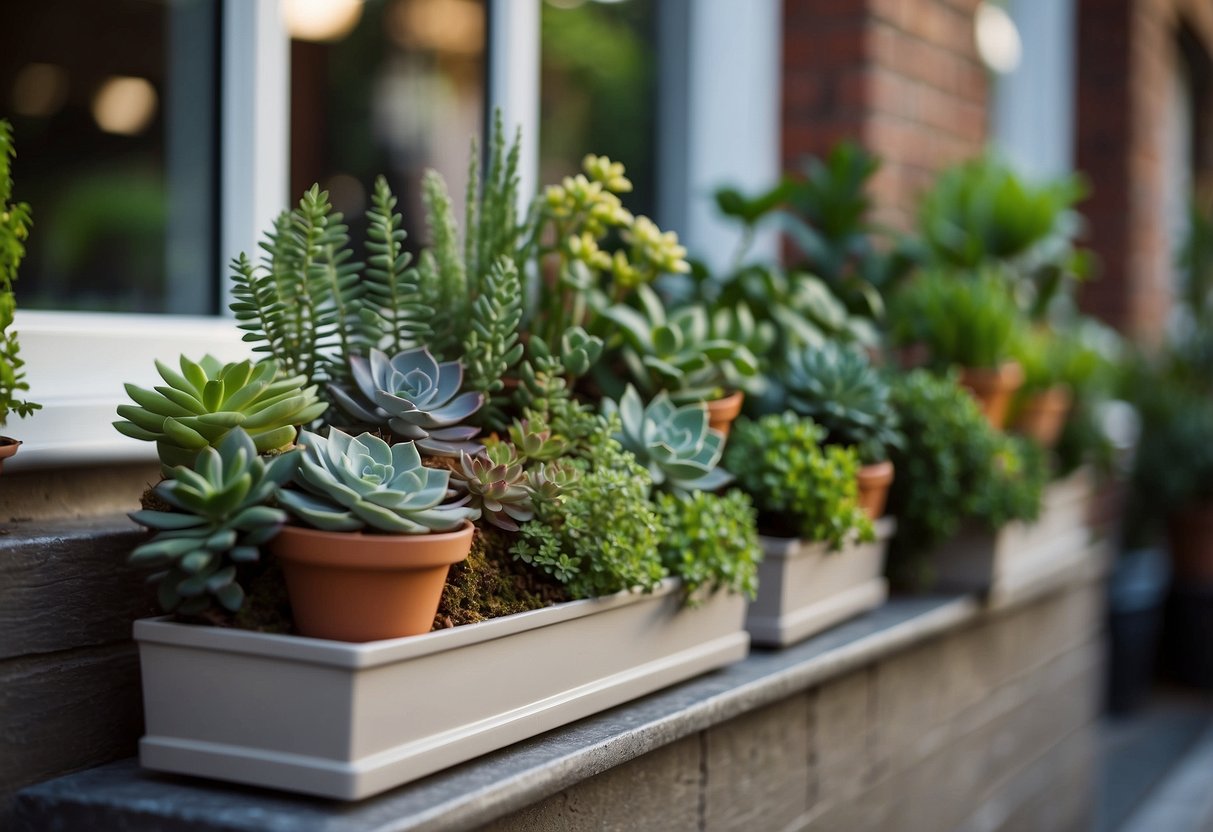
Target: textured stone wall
x,y
901,77
987,728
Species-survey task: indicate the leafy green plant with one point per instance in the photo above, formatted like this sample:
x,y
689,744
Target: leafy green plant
x,y
15,224
968,321
954,467
674,443
416,397
219,521
603,535
199,406
981,212
802,487
500,490
711,541
841,391
348,483
677,352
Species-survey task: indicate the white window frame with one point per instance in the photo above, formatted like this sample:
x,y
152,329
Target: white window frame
x,y
77,362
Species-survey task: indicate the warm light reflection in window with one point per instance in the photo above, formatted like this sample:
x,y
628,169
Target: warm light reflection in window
x,y
125,106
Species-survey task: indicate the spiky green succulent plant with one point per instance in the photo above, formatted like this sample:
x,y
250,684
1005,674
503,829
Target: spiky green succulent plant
x,y
199,406
677,351
348,483
416,397
674,443
220,521
502,492
841,391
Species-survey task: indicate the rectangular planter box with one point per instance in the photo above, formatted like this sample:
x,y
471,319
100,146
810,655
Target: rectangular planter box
x,y
803,588
1021,556
350,720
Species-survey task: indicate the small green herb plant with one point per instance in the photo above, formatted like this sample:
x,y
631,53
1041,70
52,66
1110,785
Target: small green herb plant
x,y
711,541
15,222
953,467
801,486
966,320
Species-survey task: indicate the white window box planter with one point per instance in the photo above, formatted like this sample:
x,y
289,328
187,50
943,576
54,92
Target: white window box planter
x,y
803,588
1020,557
350,720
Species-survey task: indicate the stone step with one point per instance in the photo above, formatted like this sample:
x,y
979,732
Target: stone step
x,y
69,674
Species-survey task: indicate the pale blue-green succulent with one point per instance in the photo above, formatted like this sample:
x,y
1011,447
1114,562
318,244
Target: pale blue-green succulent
x,y
674,443
349,483
198,406
220,521
416,397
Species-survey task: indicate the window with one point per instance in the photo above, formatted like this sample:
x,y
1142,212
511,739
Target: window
x,y
114,109
253,100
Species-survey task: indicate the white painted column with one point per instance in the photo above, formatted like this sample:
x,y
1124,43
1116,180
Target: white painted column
x,y
1032,107
513,80
719,114
255,100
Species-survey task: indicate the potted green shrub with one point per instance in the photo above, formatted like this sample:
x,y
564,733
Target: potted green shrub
x,y
841,391
823,558
395,372
14,229
969,498
1042,404
965,320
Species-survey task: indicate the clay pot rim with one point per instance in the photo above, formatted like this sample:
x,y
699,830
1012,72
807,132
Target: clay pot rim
x,y
357,550
876,473
1007,374
727,403
8,446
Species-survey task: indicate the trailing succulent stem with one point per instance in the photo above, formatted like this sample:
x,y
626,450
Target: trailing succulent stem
x,y
491,347
393,300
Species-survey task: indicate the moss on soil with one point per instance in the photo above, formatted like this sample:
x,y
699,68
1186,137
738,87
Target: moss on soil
x,y
491,583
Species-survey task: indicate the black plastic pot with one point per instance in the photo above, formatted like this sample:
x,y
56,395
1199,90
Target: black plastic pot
x,y
1136,593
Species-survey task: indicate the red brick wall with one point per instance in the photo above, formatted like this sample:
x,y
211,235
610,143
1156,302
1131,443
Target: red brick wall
x,y
1127,51
902,77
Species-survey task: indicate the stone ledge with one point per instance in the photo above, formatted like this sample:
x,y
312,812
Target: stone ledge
x,y
120,796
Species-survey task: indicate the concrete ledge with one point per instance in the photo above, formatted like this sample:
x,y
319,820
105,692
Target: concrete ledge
x,y
120,796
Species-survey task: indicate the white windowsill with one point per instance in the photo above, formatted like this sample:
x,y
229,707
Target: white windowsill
x,y
76,364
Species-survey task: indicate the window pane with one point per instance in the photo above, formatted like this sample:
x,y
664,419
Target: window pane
x,y
113,107
599,89
399,92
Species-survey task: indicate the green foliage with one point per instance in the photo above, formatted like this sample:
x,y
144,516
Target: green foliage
x,y
1196,261
673,442
964,320
841,391
500,490
304,304
679,352
443,275
802,488
981,212
393,290
711,541
220,520
349,483
416,397
491,347
604,535
954,466
202,404
15,223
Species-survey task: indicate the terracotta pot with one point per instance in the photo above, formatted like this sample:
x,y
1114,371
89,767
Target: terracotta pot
x,y
1190,534
993,388
874,482
722,412
351,586
8,447
1043,415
